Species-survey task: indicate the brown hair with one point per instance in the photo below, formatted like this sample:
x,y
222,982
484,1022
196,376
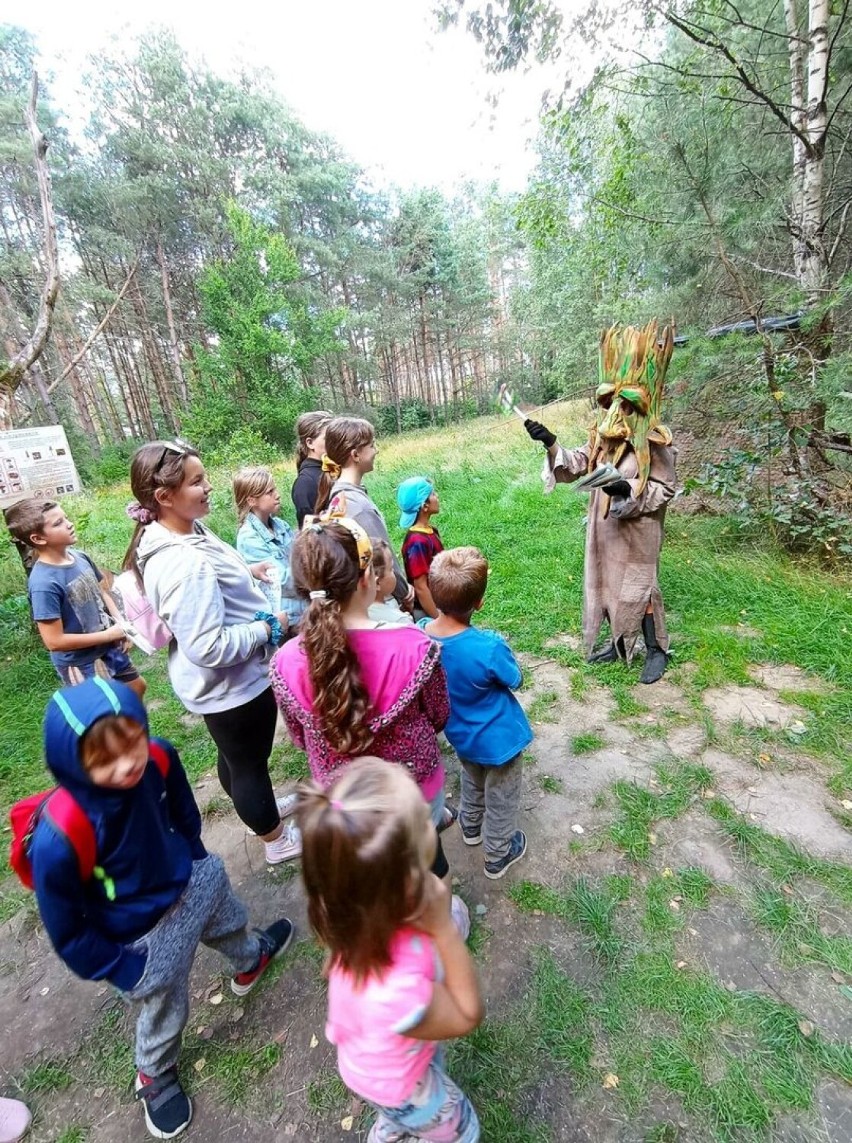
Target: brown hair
x,y
382,557
342,435
24,518
248,484
308,427
107,738
159,464
458,578
325,559
365,860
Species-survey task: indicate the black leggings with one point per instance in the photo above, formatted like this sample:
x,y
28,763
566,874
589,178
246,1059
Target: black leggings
x,y
244,737
440,866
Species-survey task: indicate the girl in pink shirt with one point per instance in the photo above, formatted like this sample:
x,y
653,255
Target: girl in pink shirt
x,y
350,683
399,976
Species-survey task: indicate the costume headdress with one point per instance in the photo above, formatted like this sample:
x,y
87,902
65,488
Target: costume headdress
x,y
632,374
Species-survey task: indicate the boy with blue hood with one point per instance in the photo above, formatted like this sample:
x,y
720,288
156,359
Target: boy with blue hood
x,y
155,893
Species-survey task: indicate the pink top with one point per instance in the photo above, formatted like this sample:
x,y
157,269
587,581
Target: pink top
x,y
405,681
368,1023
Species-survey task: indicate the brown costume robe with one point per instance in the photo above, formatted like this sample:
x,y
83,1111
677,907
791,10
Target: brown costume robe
x,y
622,547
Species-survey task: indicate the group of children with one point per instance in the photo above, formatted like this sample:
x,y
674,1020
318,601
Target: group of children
x,y
319,624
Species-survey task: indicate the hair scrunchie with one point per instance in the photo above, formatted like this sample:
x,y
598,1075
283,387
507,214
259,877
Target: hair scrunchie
x,y
139,513
330,466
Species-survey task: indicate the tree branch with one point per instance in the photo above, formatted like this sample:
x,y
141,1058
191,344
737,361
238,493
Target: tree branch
x,y
87,345
710,41
13,371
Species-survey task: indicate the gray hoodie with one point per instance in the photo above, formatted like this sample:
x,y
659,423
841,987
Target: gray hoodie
x,y
361,509
206,594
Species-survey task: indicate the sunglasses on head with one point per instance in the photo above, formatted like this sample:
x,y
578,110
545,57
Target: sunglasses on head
x,y
180,448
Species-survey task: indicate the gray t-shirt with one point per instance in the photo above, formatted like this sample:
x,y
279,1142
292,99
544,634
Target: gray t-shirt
x,y
72,594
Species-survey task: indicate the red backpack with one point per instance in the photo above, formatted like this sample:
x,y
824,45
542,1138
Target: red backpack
x,y
68,817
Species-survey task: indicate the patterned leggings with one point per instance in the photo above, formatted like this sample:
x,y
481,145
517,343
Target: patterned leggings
x,y
438,1110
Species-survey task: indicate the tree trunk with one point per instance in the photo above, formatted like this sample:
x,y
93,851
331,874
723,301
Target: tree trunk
x,y
170,318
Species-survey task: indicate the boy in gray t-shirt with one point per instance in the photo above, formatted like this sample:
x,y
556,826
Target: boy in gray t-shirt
x,y
76,618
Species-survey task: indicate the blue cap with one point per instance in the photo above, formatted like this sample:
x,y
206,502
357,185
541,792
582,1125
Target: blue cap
x,y
411,495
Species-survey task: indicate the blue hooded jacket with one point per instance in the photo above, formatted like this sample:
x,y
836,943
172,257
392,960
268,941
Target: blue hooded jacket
x,y
147,838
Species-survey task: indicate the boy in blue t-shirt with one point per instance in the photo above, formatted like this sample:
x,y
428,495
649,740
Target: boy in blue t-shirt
x,y
487,726
77,620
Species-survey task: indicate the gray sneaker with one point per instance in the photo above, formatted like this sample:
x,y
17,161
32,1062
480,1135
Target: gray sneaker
x,y
517,849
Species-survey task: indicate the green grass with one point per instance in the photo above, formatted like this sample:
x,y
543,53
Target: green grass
x,y
549,784
73,1135
779,859
796,928
328,1095
45,1077
639,809
709,581
541,707
586,743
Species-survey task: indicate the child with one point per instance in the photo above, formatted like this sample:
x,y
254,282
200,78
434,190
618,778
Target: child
x,y
264,536
76,617
156,892
418,502
386,609
310,429
350,453
399,976
487,727
223,631
347,684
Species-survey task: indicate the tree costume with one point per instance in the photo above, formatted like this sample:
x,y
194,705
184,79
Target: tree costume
x,y
629,465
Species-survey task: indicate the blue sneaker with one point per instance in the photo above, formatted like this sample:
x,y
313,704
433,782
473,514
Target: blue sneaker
x,y
517,849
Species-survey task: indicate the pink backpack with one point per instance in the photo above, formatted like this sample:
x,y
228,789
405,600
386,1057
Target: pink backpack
x,y
149,631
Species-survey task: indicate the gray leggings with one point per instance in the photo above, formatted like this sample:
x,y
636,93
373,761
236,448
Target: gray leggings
x,y
209,913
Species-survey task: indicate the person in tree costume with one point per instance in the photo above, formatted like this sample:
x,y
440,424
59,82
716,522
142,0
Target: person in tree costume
x,y
628,464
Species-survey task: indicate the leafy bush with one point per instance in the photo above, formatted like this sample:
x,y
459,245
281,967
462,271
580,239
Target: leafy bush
x,y
804,514
244,446
112,466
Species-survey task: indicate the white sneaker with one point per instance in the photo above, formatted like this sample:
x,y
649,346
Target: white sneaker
x,y
286,805
288,845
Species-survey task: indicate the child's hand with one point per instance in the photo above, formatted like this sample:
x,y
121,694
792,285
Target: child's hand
x,y
115,634
261,571
434,915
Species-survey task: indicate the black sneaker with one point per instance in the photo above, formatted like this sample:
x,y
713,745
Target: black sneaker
x,y
517,849
472,835
273,942
168,1109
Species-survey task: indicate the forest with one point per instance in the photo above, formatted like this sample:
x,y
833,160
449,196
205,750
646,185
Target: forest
x,y
210,266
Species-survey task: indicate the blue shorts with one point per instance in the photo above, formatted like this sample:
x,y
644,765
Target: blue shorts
x,y
114,663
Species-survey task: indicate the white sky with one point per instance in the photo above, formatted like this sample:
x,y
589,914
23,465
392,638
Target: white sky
x,y
407,102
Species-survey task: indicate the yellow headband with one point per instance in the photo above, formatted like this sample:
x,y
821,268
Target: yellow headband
x,y
330,466
334,516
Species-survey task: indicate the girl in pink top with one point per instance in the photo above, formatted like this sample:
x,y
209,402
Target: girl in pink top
x,y
349,683
399,976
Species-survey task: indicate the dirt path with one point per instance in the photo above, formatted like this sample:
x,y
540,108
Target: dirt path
x,y
67,1043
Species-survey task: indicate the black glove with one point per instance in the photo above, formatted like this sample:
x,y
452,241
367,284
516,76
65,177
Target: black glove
x,y
540,433
618,488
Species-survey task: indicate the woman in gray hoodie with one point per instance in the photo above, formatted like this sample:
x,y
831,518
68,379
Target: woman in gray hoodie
x,y
223,634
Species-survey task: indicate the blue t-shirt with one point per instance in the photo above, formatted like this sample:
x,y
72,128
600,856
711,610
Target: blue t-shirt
x,y
72,594
487,723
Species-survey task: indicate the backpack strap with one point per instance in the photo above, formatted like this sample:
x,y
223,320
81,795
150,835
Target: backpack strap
x,y
70,819
159,755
